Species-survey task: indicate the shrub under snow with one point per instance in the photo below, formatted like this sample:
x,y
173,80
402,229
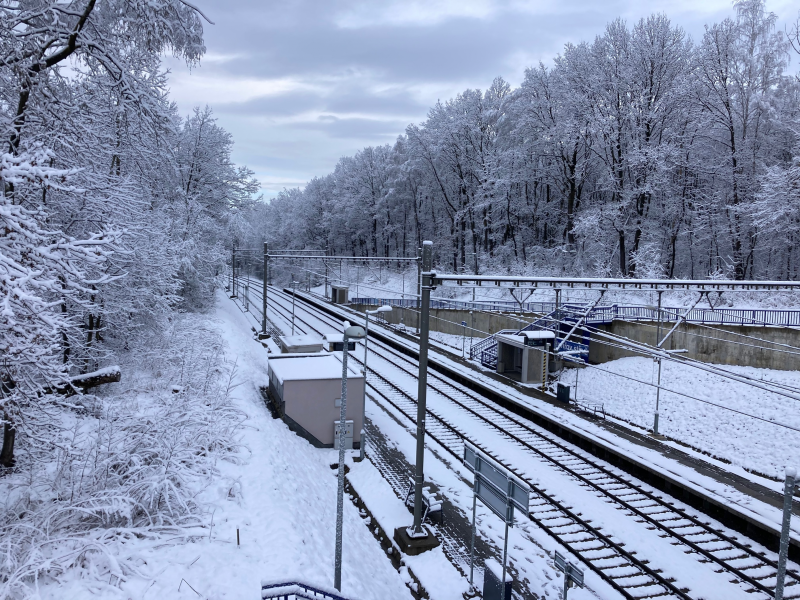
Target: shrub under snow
x,y
125,464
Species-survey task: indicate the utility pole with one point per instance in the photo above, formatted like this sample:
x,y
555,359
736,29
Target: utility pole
x,y
658,388
783,553
264,292
422,389
419,284
233,274
294,286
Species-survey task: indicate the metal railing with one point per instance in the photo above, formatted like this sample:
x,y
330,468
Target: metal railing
x,y
486,349
292,590
606,314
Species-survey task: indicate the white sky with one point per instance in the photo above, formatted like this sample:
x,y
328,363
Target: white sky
x,y
300,83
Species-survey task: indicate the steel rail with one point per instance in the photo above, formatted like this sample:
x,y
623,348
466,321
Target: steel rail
x,y
439,424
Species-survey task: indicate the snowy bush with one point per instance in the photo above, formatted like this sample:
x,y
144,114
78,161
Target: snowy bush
x,y
121,466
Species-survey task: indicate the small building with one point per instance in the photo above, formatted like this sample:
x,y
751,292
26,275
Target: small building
x,y
334,342
306,393
293,344
524,353
339,294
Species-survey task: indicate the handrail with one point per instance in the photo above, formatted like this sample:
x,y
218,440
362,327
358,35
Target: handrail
x,y
272,590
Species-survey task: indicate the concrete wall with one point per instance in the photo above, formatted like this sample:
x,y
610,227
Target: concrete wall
x,y
445,320
716,347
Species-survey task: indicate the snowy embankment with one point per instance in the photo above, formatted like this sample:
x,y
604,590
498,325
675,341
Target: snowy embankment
x,y
208,460
758,446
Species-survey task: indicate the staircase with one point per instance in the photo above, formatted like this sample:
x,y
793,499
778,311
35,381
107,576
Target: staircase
x,y
295,589
558,321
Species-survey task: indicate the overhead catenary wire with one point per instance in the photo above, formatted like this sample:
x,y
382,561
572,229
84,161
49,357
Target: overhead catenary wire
x,y
646,350
689,396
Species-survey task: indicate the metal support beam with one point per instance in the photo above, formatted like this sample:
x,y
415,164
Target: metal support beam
x,y
710,285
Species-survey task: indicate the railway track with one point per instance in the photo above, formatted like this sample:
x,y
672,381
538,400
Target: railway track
x,y
632,577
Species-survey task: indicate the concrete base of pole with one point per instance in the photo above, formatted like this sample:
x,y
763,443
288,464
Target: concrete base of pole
x,y
414,545
264,336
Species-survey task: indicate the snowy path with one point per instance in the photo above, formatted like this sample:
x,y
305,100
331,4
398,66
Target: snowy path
x,y
284,505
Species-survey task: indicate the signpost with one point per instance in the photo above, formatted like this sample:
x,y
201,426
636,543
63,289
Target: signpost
x,y
573,576
500,491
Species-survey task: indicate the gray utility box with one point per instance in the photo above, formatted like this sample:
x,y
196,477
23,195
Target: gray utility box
x,y
339,294
306,392
492,588
294,344
348,434
562,393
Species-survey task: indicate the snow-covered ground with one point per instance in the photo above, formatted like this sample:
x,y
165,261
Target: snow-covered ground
x,y
274,487
755,445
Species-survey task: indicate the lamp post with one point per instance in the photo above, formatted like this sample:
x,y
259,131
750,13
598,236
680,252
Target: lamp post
x,y
380,309
355,333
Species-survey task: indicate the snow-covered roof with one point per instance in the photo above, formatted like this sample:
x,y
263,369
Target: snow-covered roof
x,y
300,340
302,368
333,337
538,335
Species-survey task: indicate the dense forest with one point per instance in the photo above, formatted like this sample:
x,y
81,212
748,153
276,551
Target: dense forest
x,y
641,153
115,215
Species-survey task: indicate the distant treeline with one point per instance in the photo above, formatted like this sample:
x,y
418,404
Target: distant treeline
x,y
641,153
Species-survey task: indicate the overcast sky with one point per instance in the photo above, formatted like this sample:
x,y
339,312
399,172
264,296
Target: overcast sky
x,y
300,83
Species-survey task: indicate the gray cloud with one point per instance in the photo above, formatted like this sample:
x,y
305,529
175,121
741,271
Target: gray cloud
x,y
300,83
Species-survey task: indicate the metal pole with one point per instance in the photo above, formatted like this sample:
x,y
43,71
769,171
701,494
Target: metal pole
x,y
658,388
505,557
463,339
566,584
472,547
366,339
337,575
783,554
264,293
471,329
294,285
422,389
419,284
544,366
658,399
658,327
233,274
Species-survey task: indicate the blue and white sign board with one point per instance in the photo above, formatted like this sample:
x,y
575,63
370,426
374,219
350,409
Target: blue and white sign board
x,y
500,491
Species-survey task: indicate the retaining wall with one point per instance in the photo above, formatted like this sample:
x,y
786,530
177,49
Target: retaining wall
x,y
721,345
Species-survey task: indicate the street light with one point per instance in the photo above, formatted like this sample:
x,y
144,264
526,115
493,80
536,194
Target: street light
x,y
353,332
380,309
